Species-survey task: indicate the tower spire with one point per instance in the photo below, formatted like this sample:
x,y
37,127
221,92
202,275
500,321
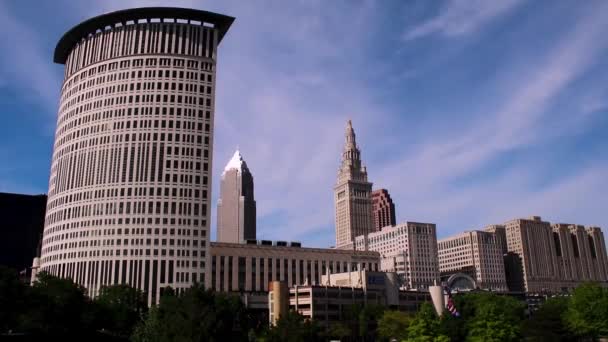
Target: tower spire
x,y
351,141
351,156
352,191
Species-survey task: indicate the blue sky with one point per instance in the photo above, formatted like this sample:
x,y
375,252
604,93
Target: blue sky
x,y
469,112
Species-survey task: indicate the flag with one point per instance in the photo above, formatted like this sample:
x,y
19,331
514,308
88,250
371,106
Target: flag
x,y
450,305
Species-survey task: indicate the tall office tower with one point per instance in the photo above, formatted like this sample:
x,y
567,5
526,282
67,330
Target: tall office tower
x,y
531,246
383,209
352,195
130,180
236,206
409,249
555,258
477,254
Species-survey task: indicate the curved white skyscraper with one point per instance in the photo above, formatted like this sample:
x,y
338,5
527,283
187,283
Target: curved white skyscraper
x,y
130,180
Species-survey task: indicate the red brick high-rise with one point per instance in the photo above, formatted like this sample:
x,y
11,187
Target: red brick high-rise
x,y
383,209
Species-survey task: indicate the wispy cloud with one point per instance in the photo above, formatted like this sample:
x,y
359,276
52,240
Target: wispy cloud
x,y
24,63
460,17
291,74
517,118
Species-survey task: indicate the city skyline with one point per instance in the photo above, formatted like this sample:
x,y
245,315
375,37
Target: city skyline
x,y
461,170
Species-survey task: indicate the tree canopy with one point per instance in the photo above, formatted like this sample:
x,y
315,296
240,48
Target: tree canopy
x,y
12,299
547,323
587,314
59,308
393,325
425,326
196,315
293,327
121,307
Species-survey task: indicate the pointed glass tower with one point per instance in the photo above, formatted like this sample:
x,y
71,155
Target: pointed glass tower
x,y
236,206
352,194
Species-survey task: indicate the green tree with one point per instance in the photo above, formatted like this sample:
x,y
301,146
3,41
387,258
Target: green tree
x,y
57,306
454,327
587,314
12,296
148,329
121,308
425,326
393,324
196,315
547,323
293,327
368,322
496,318
338,330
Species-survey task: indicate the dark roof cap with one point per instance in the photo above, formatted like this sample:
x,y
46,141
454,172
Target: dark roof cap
x,y
66,43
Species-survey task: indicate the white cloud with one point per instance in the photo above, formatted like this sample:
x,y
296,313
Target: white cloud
x,y
24,64
517,119
286,85
460,17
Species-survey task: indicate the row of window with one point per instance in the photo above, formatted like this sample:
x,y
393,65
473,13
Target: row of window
x,y
149,38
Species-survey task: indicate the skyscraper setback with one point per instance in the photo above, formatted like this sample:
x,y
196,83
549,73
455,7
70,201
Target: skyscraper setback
x,y
236,207
352,194
130,180
383,209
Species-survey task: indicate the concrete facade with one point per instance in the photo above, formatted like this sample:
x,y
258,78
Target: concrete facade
x,y
408,249
553,258
352,194
130,181
330,303
236,210
476,253
383,209
252,266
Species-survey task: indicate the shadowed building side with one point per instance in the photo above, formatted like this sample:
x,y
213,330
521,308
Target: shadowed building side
x,y
21,226
236,209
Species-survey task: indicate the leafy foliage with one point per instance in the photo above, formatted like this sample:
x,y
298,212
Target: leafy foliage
x,y
339,331
197,315
293,327
547,323
587,314
497,318
57,306
12,296
362,320
426,326
393,324
121,307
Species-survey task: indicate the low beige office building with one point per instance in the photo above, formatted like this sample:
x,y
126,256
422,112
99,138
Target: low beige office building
x,y
252,266
476,253
330,302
